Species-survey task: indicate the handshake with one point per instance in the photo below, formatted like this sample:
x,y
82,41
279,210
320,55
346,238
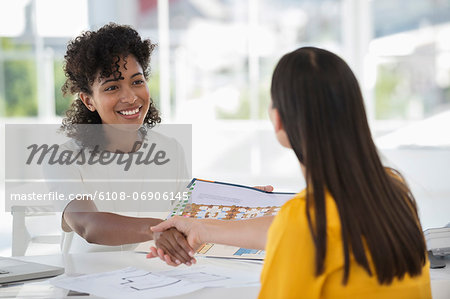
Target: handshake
x,y
177,238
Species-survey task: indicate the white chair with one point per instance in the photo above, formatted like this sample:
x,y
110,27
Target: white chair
x,y
33,224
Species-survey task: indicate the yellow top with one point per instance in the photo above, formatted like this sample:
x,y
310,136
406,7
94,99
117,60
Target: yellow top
x,y
289,265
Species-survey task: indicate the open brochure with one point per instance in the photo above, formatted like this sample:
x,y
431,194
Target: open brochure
x,y
217,200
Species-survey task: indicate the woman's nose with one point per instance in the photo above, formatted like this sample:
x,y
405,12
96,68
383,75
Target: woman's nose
x,y
127,96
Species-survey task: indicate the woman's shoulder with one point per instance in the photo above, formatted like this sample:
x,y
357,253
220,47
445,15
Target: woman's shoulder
x,y
299,200
70,145
160,139
293,213
293,210
298,203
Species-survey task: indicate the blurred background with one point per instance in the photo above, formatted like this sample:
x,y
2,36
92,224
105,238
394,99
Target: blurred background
x,y
213,66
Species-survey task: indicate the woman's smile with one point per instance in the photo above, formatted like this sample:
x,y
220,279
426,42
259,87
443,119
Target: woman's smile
x,y
130,113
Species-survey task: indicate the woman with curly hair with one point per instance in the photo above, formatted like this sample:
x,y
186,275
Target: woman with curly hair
x,y
98,55
111,117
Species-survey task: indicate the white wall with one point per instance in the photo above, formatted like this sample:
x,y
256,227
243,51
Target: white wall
x,y
427,171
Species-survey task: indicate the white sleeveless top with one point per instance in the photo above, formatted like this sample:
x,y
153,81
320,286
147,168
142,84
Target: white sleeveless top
x,y
130,192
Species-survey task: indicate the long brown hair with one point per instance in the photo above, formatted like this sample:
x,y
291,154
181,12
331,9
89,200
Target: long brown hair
x,y
322,111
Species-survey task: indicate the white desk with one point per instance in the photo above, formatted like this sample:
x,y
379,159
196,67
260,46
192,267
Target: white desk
x,y
440,281
107,261
87,263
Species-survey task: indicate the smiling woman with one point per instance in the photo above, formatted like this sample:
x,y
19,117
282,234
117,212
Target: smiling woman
x,y
112,117
121,98
108,69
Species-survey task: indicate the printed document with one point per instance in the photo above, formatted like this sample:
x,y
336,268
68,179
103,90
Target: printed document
x,y
136,283
217,200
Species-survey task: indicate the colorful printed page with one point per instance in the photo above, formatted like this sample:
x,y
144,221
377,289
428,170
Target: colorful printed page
x,y
217,200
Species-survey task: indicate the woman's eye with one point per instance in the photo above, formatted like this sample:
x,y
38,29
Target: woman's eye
x,y
138,82
111,88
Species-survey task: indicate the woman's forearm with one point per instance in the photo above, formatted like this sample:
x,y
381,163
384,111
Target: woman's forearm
x,y
103,228
110,229
251,233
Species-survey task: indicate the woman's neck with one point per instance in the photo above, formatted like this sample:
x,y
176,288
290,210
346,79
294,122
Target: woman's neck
x,y
303,170
125,141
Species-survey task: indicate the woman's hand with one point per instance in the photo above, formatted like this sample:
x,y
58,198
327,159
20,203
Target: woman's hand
x,y
194,229
267,188
173,248
191,228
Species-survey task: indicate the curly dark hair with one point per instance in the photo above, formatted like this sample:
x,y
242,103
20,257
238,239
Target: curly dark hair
x,y
98,52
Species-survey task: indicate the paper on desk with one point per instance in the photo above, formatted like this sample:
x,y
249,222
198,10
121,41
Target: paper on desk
x,y
230,252
215,276
126,283
136,283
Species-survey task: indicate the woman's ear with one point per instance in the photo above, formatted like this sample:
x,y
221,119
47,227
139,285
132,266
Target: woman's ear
x,y
279,128
87,101
274,116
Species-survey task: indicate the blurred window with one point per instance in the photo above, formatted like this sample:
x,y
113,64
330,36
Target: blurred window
x,y
215,58
411,54
222,53
33,39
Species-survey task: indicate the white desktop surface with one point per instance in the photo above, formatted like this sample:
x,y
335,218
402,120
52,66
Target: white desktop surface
x,y
86,263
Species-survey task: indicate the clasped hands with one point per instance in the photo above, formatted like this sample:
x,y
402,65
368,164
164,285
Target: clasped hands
x,y
177,238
